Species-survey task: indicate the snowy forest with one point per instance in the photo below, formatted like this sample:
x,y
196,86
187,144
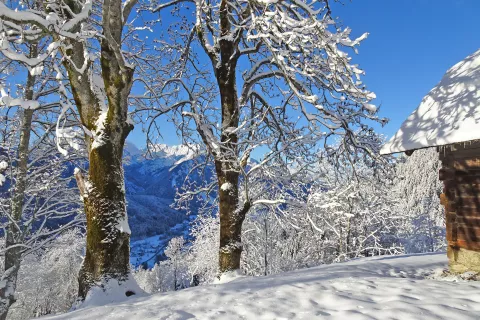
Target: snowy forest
x,y
277,167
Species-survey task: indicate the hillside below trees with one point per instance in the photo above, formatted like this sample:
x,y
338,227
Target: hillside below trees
x,y
371,288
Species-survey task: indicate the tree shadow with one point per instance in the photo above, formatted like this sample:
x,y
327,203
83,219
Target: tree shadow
x,y
449,113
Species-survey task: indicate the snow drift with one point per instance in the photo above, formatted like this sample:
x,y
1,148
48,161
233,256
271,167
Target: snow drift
x,y
389,287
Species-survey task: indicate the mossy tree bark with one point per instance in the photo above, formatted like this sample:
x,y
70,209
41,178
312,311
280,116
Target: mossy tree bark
x,y
102,102
108,248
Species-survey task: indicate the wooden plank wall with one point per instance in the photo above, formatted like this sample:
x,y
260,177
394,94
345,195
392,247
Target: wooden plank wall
x,y
460,174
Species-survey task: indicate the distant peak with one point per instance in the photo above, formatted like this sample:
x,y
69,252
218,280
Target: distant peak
x,y
131,148
163,150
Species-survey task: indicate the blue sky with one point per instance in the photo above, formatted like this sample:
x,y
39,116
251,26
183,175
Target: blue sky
x,y
411,45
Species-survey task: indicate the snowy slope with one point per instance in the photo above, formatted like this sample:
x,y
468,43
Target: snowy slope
x,y
372,288
449,113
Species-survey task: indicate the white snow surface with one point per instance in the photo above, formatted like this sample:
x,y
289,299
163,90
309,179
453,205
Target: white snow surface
x,y
229,277
3,166
37,70
173,151
7,101
390,287
174,155
449,113
110,291
226,186
122,224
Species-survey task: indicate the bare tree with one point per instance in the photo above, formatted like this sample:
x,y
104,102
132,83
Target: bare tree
x,y
33,170
286,88
92,41
38,202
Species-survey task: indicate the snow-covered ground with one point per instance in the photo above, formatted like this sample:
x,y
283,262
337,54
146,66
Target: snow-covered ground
x,y
393,287
145,250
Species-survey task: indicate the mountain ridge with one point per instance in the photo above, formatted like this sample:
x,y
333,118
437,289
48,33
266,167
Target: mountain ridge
x,y
151,183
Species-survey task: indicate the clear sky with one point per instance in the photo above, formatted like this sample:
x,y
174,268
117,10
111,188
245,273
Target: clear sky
x,y
411,44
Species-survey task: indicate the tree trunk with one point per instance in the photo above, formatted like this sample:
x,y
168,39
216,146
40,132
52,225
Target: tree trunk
x,y
265,254
231,220
13,256
226,164
104,111
231,216
108,248
108,235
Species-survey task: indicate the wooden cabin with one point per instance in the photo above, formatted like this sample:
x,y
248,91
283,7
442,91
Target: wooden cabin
x,y
449,118
460,174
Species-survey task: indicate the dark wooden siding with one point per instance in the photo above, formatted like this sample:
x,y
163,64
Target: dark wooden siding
x,y
461,195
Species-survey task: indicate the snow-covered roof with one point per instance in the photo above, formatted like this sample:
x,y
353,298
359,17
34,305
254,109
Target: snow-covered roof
x,y
449,113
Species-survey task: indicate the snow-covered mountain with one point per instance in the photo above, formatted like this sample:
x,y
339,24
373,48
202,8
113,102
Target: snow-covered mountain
x,y
151,183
